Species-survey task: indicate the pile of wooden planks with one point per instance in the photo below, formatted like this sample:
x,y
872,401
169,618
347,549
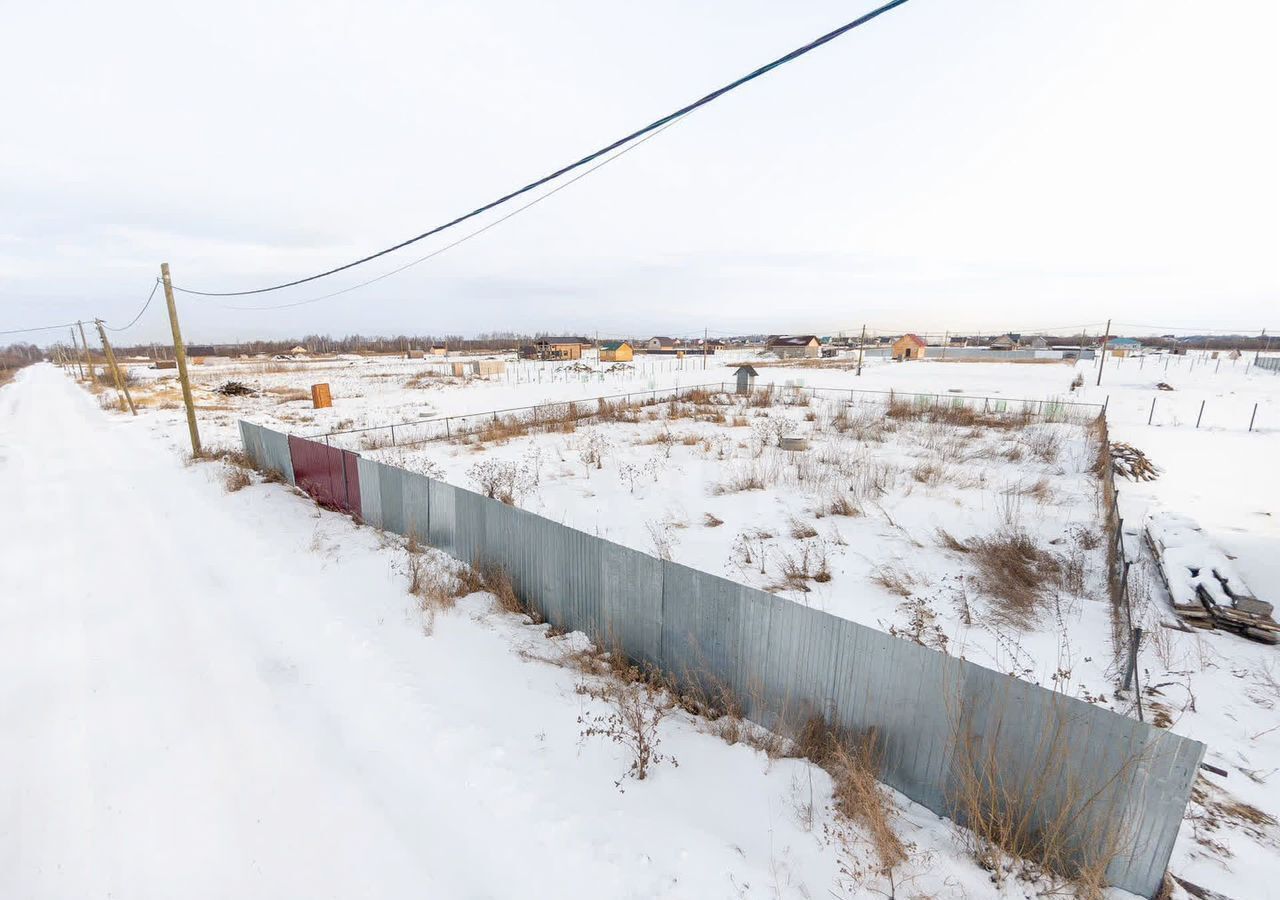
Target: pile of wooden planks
x,y
1132,463
1204,586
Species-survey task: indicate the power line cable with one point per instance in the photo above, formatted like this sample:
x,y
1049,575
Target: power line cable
x,y
39,328
589,158
132,322
135,319
462,240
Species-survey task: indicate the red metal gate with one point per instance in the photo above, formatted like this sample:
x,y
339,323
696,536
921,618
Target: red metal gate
x,y
326,473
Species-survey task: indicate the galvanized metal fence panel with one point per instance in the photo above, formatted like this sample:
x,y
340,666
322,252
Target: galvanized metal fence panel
x,y
276,455
934,715
440,522
390,498
631,602
251,440
415,505
371,492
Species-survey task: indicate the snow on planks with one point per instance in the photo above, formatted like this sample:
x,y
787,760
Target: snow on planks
x,y
1203,585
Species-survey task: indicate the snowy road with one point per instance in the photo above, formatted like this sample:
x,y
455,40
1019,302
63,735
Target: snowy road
x,y
204,695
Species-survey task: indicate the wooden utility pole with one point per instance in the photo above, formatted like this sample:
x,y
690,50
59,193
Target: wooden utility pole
x,y
88,360
861,343
704,349
180,355
121,386
1102,362
76,347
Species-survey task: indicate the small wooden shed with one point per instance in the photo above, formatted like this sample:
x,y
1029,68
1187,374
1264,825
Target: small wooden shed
x,y
909,346
746,379
616,351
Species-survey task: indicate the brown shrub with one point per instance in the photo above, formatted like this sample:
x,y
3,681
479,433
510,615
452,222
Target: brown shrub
x,y
841,505
497,582
801,530
235,480
894,579
853,761
951,542
1015,571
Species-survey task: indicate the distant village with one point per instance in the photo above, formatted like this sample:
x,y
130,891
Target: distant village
x,y
811,346
617,350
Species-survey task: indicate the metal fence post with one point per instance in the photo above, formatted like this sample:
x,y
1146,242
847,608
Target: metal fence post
x,y
1153,410
1200,414
1253,416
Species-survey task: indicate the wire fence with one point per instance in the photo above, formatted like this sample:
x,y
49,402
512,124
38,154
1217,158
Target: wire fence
x,y
548,416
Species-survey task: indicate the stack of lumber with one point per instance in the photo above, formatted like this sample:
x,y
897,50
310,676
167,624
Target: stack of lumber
x,y
1132,463
1203,584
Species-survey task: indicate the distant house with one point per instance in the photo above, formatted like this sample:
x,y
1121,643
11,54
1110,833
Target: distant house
x,y
1123,346
296,351
196,351
616,351
1038,343
909,346
439,350
793,346
660,343
560,347
698,345
1004,342
957,340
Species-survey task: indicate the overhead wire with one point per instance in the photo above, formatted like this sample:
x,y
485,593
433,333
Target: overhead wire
x,y
135,319
586,160
40,328
462,240
132,321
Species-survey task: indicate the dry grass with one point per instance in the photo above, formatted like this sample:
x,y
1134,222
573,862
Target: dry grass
x,y
287,394
894,578
236,480
1015,570
1049,815
801,530
935,410
841,504
495,579
951,542
436,589
853,761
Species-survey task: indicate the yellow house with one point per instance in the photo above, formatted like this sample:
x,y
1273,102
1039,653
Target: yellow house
x,y
616,351
909,346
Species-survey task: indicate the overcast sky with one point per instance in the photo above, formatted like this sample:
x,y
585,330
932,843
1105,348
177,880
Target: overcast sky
x,y
986,165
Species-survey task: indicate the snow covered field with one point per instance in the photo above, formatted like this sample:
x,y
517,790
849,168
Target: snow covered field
x,y
214,695
628,482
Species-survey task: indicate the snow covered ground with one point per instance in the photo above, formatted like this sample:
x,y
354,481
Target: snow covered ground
x,y
1212,686
232,695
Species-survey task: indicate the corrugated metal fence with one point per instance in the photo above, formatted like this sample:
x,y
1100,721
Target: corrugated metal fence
x,y
940,720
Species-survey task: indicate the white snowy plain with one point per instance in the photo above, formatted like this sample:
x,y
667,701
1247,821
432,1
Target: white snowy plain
x,y
232,695
307,617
